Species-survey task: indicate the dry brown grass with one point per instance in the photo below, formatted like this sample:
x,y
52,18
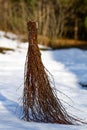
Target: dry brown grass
x,y
44,40
4,49
62,43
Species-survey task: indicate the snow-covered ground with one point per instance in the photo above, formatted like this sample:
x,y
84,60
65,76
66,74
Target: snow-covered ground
x,y
68,67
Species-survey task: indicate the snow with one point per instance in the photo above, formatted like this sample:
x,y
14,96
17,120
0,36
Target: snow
x,y
68,67
10,40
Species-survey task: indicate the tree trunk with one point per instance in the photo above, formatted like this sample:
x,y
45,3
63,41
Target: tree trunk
x,y
76,29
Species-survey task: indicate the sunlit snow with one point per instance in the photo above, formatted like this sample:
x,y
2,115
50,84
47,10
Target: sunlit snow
x,y
67,66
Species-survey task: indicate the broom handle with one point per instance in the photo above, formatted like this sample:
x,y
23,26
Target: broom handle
x,y
32,32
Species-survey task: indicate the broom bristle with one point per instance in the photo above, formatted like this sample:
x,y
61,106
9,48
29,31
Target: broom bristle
x,y
40,102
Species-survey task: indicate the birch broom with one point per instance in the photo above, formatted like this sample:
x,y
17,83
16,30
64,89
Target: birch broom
x,y
40,101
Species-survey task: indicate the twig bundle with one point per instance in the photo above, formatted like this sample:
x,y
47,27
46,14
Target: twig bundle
x,y
40,102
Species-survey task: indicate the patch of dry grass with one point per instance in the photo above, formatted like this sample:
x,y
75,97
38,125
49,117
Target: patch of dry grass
x,y
3,49
44,40
61,43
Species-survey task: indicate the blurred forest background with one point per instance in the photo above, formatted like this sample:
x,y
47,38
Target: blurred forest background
x,y
60,22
